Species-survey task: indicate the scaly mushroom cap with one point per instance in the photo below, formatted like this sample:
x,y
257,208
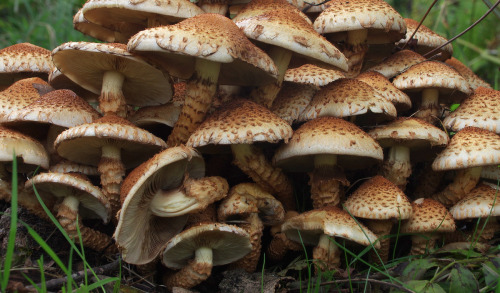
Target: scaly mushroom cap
x,y
278,23
110,34
474,80
481,109
379,199
228,243
409,132
432,74
208,36
348,97
240,121
21,94
31,152
397,63
66,166
427,40
292,99
382,84
354,147
22,61
86,63
312,74
481,202
83,143
428,216
332,221
470,147
384,24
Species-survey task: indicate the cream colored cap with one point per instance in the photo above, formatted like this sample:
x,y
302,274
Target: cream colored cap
x,y
480,202
428,216
312,74
30,152
292,99
474,80
397,63
22,61
382,84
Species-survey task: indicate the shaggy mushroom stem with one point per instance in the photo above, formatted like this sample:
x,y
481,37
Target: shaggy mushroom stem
x,y
67,216
327,181
112,172
192,196
255,228
112,99
326,254
355,50
265,95
397,167
465,180
381,228
200,91
253,163
195,272
422,243
429,108
219,6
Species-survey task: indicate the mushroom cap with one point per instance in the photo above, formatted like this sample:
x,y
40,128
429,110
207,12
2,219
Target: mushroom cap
x,y
432,74
30,151
207,36
481,109
66,166
140,235
474,80
292,99
427,40
397,63
379,199
384,24
60,81
278,23
470,147
83,143
228,243
491,172
93,203
24,60
480,202
382,84
312,74
86,63
108,34
240,121
332,221
428,216
348,97
413,133
354,147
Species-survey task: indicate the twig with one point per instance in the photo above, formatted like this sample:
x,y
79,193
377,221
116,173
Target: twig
x,y
397,286
101,270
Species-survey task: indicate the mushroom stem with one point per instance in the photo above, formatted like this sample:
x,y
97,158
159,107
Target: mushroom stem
x,y
422,243
327,181
355,50
219,7
195,272
465,180
5,187
112,172
255,228
200,90
326,254
266,94
112,99
252,162
381,228
397,167
429,108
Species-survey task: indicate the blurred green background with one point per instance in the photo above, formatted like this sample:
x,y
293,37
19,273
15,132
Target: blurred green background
x,y
48,23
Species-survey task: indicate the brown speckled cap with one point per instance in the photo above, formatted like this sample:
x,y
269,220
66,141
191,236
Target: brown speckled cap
x,y
427,40
330,221
382,84
491,172
428,216
384,24
292,99
29,152
240,121
111,34
410,132
348,97
474,80
432,74
397,63
470,147
278,23
312,74
481,109
208,36
85,63
354,147
22,61
481,202
66,166
83,143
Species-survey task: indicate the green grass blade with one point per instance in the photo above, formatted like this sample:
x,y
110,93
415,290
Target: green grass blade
x,y
101,283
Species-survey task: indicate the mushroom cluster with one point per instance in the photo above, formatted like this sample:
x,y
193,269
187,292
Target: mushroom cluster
x,y
212,139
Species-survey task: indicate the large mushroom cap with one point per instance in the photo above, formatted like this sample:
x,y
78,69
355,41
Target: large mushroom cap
x,y
31,152
474,80
228,243
353,146
428,216
481,202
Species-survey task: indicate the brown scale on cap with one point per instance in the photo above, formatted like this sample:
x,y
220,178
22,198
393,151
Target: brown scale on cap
x,y
481,109
292,99
474,80
429,218
397,63
312,74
